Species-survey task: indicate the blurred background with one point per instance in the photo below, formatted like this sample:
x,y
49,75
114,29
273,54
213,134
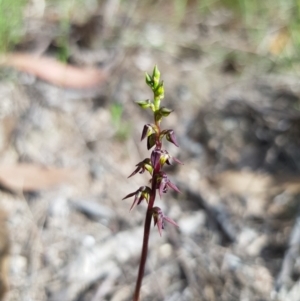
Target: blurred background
x,y
70,71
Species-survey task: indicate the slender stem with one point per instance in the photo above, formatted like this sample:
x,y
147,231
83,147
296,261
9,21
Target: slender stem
x,y
145,241
143,257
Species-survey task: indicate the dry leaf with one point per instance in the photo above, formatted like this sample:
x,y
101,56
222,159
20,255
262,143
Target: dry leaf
x,y
55,72
245,182
254,183
27,177
279,41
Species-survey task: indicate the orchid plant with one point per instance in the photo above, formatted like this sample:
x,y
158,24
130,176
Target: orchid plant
x,y
154,166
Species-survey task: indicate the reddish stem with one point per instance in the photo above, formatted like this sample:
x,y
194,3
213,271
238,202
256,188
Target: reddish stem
x,y
145,242
143,257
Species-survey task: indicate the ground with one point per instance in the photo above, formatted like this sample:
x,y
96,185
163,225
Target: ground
x,y
66,153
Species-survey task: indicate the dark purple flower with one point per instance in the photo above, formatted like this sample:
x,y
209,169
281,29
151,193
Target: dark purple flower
x,y
165,112
143,193
148,130
163,184
142,166
170,136
159,219
155,158
159,157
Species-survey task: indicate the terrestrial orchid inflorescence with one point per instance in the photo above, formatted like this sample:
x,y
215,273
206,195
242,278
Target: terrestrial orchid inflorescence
x,y
159,157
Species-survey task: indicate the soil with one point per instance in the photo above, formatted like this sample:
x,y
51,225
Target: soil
x,y
237,124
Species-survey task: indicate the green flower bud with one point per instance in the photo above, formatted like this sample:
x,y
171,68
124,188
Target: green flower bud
x,y
165,111
155,76
144,104
148,80
160,91
157,116
162,112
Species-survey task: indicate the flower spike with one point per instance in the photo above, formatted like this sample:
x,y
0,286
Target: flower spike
x,y
159,182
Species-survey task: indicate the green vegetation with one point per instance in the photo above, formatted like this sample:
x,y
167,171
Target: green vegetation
x,y
122,128
11,19
275,24
272,27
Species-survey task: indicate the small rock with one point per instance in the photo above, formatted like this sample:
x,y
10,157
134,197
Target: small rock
x,y
190,224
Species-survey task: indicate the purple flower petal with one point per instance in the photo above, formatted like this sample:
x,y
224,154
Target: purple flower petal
x,y
169,220
173,186
147,131
177,160
135,171
155,158
129,195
